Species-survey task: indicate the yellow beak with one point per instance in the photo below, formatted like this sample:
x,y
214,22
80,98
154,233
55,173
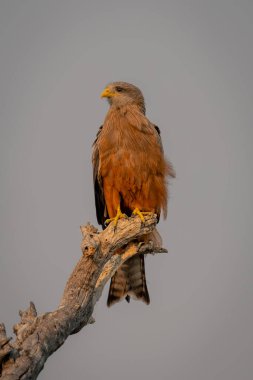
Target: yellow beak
x,y
107,93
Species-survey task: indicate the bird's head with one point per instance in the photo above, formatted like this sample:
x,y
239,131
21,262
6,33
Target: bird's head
x,y
120,94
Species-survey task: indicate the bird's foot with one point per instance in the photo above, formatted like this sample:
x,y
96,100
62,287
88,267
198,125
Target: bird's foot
x,y
118,216
142,213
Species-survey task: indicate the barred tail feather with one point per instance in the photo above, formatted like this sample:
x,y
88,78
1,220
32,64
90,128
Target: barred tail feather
x,y
119,285
129,281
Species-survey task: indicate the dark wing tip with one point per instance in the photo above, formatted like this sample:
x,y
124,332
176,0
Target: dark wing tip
x,y
98,188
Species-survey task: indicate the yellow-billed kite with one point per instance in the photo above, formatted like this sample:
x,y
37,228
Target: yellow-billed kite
x,y
129,171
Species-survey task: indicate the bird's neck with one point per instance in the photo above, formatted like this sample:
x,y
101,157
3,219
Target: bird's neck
x,y
124,109
127,115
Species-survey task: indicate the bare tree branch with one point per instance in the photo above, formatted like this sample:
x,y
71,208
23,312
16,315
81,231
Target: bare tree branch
x,y
37,337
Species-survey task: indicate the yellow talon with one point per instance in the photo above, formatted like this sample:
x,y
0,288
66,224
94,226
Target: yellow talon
x,y
118,216
141,213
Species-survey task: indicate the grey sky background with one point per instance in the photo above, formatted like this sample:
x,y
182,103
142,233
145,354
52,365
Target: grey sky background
x,y
193,61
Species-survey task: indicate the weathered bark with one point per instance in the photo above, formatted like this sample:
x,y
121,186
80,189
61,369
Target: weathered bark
x,y
37,337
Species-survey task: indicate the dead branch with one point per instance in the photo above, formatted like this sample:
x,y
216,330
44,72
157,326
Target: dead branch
x,y
37,337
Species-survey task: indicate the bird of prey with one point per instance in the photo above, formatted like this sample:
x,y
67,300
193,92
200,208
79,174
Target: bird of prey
x,y
130,177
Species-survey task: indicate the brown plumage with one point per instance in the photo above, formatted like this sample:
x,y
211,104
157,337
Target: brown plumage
x,y
129,175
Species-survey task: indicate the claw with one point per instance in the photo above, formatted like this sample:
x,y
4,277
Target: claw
x,y
142,213
118,216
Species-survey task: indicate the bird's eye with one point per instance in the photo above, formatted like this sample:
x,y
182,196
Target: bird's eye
x,y
119,89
